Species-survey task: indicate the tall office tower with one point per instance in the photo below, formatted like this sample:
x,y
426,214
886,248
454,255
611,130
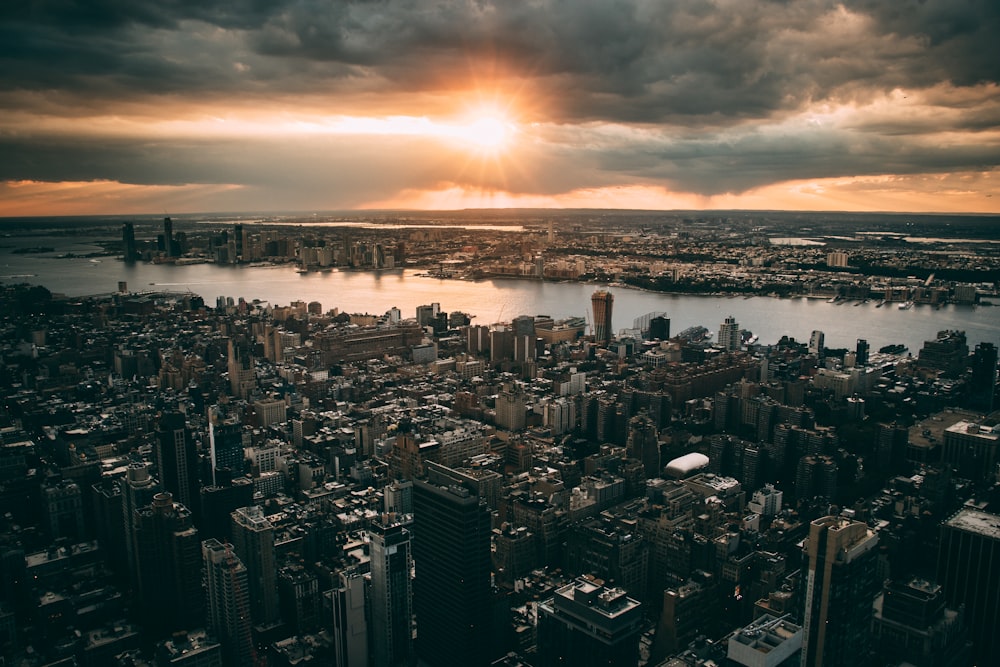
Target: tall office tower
x,y
130,254
391,595
350,622
168,552
983,383
225,437
644,444
584,624
138,489
398,497
452,594
659,328
228,602
729,335
861,352
840,585
523,325
168,237
238,243
253,542
912,625
511,410
177,459
242,377
220,500
968,571
816,340
602,302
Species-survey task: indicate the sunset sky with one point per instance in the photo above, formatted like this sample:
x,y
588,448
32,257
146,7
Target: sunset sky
x,y
157,106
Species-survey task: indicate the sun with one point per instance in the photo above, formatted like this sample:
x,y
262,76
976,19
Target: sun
x,y
487,130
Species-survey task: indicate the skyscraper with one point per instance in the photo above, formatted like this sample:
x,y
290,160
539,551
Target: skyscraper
x,y
350,625
816,340
729,335
602,302
861,352
177,459
225,436
168,553
840,585
138,489
228,602
983,383
242,377
129,253
452,596
586,624
391,595
967,571
253,542
168,237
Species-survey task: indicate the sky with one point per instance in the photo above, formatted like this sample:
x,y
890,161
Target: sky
x,y
179,106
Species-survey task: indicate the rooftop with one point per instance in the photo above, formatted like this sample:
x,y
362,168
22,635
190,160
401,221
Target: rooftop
x,y
976,521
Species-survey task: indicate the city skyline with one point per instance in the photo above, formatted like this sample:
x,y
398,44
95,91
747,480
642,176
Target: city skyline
x,y
141,108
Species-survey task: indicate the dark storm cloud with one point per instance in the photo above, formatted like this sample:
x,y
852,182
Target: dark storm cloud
x,y
685,62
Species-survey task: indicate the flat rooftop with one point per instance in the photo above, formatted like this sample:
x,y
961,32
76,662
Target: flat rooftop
x,y
976,521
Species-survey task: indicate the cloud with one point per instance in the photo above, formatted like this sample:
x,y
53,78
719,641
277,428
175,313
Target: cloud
x,y
705,97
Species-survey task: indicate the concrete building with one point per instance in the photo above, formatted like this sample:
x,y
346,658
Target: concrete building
x,y
585,624
602,301
228,607
970,540
840,585
770,641
391,595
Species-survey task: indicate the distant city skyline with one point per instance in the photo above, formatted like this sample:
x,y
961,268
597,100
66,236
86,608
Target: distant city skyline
x,y
150,108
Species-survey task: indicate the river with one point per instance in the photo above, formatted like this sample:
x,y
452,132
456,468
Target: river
x,y
495,300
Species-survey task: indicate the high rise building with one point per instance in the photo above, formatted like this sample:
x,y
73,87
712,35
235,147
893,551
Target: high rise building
x,y
602,302
912,624
452,595
350,624
983,383
130,254
253,542
729,335
168,553
816,341
967,570
177,459
391,595
225,437
586,624
511,410
138,489
659,328
840,585
242,376
168,237
226,588
861,352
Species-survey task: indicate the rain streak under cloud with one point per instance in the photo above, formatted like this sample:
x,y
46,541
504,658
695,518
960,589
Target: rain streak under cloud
x,y
119,106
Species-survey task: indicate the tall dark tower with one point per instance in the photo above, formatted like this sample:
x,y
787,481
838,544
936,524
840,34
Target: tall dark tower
x,y
177,459
168,237
968,573
602,301
391,595
128,241
839,588
138,489
238,241
452,595
228,605
861,352
983,384
168,552
659,328
225,436
253,541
